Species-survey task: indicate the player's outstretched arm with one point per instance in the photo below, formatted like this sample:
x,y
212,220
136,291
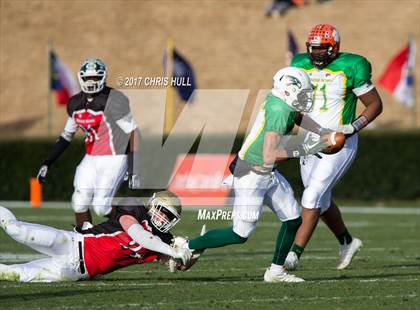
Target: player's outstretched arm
x,y
309,124
151,242
274,152
373,107
59,147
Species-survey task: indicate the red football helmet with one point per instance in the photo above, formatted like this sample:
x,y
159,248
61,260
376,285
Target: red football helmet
x,y
323,44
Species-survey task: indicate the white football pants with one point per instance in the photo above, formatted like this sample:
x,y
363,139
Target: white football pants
x,y
96,181
320,175
61,247
252,191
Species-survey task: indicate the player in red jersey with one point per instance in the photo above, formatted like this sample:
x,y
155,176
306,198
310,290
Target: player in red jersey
x,y
104,116
134,234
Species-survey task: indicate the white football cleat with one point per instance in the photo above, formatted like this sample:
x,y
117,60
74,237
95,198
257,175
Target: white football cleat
x,y
347,252
5,217
280,276
292,261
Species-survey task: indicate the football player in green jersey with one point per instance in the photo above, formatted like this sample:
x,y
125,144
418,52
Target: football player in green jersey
x,y
254,181
339,80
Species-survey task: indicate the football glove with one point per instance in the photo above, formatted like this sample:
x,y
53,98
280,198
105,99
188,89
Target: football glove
x,y
324,131
357,125
133,181
42,174
347,130
183,254
314,143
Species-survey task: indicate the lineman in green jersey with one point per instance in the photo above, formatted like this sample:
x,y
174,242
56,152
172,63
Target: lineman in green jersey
x,y
339,80
254,181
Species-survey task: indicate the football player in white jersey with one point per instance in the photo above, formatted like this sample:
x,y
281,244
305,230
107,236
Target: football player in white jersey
x,y
339,80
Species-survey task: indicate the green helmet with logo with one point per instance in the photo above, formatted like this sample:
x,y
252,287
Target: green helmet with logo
x,y
92,76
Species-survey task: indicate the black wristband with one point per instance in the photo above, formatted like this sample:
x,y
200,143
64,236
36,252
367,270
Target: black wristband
x,y
60,145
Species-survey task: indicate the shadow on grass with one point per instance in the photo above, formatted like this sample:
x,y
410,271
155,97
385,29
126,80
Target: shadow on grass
x,y
365,277
180,278
236,253
402,266
47,294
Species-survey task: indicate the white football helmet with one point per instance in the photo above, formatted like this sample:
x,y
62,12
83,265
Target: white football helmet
x,y
92,76
165,210
294,87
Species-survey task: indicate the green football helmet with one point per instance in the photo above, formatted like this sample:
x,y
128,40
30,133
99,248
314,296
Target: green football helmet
x,y
92,76
294,87
165,210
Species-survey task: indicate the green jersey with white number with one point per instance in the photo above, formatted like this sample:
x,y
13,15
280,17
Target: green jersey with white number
x,y
336,87
275,115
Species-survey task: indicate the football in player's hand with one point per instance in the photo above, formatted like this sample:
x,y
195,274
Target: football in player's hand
x,y
336,142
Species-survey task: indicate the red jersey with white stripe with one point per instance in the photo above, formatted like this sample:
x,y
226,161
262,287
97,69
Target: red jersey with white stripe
x,y
108,247
105,118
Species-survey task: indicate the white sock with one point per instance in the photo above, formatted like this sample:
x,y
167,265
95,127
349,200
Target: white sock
x,y
276,268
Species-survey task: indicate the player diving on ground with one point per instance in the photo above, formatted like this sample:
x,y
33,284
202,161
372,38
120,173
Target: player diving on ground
x,y
134,234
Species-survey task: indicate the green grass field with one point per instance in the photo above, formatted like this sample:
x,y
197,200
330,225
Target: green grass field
x,y
384,275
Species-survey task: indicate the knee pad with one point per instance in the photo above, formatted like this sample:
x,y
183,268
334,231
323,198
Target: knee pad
x,y
81,200
6,216
15,229
310,198
102,205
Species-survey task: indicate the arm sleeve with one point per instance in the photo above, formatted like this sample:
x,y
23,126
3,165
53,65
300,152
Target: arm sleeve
x,y
62,142
148,240
59,147
362,71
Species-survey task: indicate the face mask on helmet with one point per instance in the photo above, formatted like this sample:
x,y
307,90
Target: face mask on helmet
x,y
321,55
294,87
323,45
164,211
92,76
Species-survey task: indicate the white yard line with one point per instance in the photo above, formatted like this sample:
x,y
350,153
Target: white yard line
x,y
19,257
344,209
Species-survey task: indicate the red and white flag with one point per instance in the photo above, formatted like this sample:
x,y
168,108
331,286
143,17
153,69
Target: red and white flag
x,y
398,77
62,82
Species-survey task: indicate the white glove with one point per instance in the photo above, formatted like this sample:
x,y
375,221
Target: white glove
x,y
324,131
134,181
183,254
313,143
347,129
42,174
